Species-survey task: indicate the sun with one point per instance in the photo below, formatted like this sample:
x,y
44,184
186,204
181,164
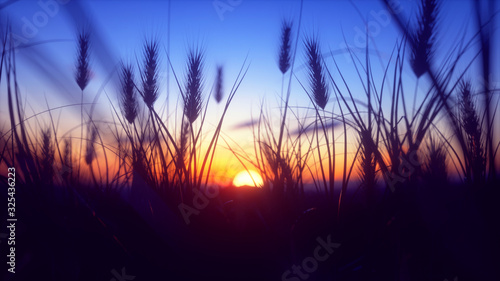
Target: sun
x,y
248,178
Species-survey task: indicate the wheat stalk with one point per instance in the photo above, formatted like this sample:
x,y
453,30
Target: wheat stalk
x,y
471,126
435,166
90,151
194,80
150,72
284,59
317,81
47,158
422,50
218,85
82,75
128,96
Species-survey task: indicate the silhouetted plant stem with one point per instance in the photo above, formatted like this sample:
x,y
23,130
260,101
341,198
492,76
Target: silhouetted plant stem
x,y
24,157
284,58
149,77
82,77
485,35
320,96
81,135
283,120
440,99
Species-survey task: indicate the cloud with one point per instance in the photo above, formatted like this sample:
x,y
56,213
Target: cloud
x,y
246,124
309,128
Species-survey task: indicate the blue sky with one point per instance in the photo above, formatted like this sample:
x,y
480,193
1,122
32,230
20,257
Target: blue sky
x,y
228,30
247,28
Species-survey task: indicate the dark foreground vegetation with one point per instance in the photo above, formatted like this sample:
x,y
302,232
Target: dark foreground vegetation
x,y
246,235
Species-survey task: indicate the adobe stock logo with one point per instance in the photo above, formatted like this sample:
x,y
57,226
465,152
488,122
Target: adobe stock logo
x,y
31,25
375,25
201,200
409,163
310,264
222,7
121,276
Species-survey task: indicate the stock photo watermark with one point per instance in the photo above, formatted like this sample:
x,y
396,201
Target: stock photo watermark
x,y
377,21
121,276
11,219
223,6
493,81
310,264
200,202
31,25
62,173
409,164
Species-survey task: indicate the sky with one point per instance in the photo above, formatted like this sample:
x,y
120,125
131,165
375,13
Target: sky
x,y
229,31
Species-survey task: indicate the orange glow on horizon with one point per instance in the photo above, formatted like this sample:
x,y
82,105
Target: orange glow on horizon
x,y
248,178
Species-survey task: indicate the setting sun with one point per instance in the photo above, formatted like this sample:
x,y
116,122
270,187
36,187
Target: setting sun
x,y
248,178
